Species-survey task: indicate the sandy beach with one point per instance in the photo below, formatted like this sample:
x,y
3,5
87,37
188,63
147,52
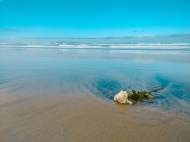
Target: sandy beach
x,y
62,96
52,116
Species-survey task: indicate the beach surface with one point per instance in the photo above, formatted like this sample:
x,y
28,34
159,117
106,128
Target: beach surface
x,y
66,96
58,117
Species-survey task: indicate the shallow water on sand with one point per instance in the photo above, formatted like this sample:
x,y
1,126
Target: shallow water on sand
x,y
33,77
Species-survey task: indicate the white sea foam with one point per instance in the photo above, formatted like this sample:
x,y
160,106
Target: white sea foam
x,y
101,46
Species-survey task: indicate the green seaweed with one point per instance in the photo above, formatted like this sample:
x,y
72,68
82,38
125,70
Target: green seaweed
x,y
135,95
155,90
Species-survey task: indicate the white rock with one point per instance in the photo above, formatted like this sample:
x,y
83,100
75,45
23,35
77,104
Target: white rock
x,y
122,97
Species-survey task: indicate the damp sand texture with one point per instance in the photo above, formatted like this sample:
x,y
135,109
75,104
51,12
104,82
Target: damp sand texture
x,y
67,95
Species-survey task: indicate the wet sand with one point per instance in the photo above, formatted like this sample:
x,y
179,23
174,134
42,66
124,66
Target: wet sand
x,y
51,116
52,95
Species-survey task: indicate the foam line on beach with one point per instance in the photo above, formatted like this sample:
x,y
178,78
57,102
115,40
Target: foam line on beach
x,y
98,46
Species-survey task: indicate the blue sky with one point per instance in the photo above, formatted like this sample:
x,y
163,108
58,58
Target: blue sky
x,y
93,18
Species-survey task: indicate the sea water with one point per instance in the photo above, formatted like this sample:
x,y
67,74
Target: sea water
x,y
103,72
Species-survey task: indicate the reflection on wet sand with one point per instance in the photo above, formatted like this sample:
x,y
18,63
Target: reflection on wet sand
x,y
46,96
121,107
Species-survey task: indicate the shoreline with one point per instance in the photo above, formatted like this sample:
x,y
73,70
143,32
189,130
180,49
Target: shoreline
x,y
60,95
